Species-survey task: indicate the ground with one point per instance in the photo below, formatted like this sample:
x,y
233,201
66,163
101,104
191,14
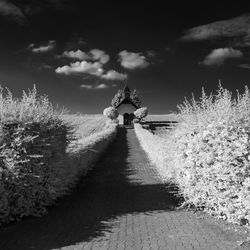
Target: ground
x,y
120,204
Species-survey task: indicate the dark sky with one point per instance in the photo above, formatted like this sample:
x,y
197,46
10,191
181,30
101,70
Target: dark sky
x,y
80,53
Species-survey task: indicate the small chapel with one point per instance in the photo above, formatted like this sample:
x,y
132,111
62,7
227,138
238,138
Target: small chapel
x,y
126,107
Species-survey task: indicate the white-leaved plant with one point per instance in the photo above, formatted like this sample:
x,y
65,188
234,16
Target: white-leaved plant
x,y
141,113
111,113
208,154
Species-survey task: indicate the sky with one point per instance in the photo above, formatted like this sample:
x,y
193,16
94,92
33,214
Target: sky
x,y
80,53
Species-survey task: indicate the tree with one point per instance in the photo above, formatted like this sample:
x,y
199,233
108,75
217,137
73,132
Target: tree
x,y
134,97
141,113
111,113
117,98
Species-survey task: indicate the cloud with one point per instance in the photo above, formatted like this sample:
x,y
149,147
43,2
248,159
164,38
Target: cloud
x,y
236,30
44,48
131,60
99,55
114,75
92,55
9,9
244,66
218,56
78,54
99,86
102,86
87,86
91,62
91,68
34,7
81,67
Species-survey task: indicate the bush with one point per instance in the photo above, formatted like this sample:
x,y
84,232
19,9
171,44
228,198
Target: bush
x,y
208,154
111,113
26,165
37,162
211,149
29,108
141,113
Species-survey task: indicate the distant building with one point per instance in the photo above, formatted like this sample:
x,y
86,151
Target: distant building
x,y
126,108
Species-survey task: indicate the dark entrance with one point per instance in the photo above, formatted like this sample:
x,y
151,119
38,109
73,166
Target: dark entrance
x,y
128,118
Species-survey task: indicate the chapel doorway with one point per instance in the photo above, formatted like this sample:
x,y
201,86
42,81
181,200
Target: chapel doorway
x,y
128,118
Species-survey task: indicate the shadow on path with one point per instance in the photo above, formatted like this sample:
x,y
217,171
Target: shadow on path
x,y
119,184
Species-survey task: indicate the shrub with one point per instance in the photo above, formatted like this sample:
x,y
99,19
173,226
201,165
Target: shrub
x,y
37,162
211,148
29,108
32,136
111,113
208,154
141,113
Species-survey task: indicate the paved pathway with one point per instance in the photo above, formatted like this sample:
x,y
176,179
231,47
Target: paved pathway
x,y
120,205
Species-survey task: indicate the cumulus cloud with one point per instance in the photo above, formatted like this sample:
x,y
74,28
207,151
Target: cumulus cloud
x,y
114,75
99,55
131,60
9,9
99,86
78,54
94,68
92,55
43,48
218,56
91,62
91,68
235,30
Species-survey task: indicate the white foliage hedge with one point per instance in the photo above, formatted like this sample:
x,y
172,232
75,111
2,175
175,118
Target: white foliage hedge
x,y
37,162
111,113
35,169
208,154
141,113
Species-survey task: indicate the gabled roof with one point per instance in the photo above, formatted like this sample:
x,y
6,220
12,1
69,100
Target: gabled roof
x,y
126,89
127,101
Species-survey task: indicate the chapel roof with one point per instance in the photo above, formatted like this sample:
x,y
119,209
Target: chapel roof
x,y
126,89
126,100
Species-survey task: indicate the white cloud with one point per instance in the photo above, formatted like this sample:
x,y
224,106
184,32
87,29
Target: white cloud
x,y
102,86
114,75
218,56
131,60
235,30
99,86
44,48
99,55
92,55
9,9
81,67
78,54
87,86
91,63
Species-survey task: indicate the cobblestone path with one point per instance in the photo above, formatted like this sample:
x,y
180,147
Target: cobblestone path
x,y
121,204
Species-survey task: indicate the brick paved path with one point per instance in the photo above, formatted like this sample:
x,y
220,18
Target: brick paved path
x,y
121,204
